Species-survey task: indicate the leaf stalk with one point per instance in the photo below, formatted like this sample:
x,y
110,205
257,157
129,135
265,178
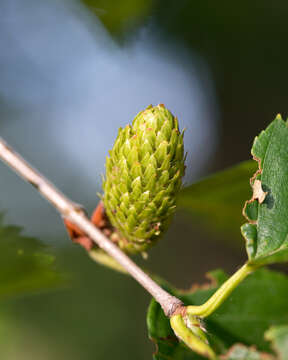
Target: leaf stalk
x,y
222,293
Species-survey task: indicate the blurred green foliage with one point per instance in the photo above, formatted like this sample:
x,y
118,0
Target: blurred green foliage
x,y
279,337
100,315
217,201
27,265
120,15
247,353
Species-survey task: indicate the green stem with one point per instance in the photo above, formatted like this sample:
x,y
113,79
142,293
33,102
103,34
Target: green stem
x,y
222,293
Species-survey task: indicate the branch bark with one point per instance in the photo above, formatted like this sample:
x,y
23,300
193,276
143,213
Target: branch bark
x,y
74,213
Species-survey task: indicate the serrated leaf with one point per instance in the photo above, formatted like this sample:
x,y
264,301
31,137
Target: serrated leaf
x,y
242,318
217,200
26,265
267,211
279,337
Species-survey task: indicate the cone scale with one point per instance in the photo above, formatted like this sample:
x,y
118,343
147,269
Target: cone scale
x,y
143,177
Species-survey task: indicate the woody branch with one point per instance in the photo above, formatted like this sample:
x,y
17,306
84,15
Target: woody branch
x,y
74,213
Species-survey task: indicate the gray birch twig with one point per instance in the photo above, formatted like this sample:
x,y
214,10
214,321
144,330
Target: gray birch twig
x,y
74,213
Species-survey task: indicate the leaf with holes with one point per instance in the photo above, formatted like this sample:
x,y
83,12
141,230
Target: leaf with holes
x,y
266,233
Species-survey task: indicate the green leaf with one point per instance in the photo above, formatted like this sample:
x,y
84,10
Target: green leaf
x,y
25,263
257,304
279,337
267,211
217,201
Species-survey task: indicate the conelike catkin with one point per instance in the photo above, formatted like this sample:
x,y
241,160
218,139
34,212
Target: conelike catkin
x,y
143,176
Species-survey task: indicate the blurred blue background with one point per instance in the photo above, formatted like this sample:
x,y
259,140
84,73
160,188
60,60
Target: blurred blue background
x,y
72,73
72,86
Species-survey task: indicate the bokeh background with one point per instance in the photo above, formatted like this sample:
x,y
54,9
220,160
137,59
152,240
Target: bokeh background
x,y
72,73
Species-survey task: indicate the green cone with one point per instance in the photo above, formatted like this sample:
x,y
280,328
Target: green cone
x,y
143,177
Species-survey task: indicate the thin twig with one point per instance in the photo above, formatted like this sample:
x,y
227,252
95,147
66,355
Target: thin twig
x,y
75,214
